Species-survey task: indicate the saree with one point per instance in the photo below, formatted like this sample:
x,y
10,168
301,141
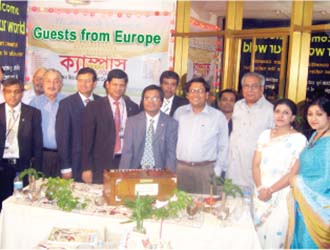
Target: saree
x,y
278,155
310,219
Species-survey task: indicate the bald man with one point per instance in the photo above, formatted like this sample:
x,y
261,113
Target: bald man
x,y
37,86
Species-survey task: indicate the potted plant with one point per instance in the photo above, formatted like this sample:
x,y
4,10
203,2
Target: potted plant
x,y
141,209
33,176
229,189
179,202
61,191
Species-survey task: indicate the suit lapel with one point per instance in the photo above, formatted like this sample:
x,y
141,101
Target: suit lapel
x,y
108,111
141,132
21,122
174,104
129,109
3,116
160,128
78,101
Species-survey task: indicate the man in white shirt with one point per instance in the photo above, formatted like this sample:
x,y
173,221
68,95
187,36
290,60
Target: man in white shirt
x,y
169,81
20,136
202,139
251,116
37,86
68,123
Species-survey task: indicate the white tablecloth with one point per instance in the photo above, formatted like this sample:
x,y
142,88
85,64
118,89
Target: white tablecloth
x,y
25,224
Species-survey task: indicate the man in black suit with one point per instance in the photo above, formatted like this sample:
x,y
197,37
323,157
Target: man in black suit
x,y
20,136
169,81
68,123
103,127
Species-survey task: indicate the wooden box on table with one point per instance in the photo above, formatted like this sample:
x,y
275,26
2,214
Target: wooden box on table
x,y
119,185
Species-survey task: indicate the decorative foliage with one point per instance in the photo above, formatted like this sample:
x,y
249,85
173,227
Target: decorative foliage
x,y
31,172
141,210
61,191
229,188
174,206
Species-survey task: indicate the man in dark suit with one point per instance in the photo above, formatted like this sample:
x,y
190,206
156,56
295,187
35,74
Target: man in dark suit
x,y
225,103
68,123
169,81
103,126
163,134
20,136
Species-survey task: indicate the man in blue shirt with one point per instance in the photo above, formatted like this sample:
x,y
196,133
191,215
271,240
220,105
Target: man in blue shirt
x,y
48,104
202,139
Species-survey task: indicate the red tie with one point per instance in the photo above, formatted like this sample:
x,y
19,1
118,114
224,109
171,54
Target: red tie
x,y
117,125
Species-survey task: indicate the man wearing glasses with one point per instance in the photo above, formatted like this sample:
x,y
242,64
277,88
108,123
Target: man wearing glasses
x,y
150,137
20,136
202,140
251,116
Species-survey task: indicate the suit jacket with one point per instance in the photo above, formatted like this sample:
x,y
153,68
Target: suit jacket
x,y
164,142
99,136
68,132
29,136
177,102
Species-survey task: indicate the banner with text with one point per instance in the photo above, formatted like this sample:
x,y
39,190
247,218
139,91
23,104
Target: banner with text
x,y
13,37
138,42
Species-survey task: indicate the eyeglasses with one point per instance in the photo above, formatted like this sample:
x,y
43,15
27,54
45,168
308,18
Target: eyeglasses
x,y
252,87
151,98
15,92
197,91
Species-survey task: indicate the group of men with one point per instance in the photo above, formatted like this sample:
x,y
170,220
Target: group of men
x,y
81,135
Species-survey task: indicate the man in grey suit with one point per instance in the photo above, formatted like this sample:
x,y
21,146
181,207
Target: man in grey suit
x,y
150,137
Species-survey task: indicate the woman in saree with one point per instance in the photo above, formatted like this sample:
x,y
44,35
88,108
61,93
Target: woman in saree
x,y
311,187
275,162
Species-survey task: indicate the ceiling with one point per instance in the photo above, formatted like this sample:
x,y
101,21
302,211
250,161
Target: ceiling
x,y
263,9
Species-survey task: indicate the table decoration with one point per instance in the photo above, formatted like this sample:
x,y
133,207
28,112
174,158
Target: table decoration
x,y
61,191
228,189
33,175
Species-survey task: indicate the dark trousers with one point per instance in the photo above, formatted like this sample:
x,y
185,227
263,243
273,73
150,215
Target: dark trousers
x,y
116,161
51,163
7,175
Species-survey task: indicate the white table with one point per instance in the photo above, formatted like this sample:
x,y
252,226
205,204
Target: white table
x,y
24,224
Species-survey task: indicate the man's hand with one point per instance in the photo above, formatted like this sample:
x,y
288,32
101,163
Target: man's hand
x,y
87,176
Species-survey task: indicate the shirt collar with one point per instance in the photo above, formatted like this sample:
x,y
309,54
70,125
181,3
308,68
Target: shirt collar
x,y
84,98
206,108
155,118
17,108
111,100
257,103
169,100
57,98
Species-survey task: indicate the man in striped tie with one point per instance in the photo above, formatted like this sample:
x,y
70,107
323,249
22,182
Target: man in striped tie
x,y
150,136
